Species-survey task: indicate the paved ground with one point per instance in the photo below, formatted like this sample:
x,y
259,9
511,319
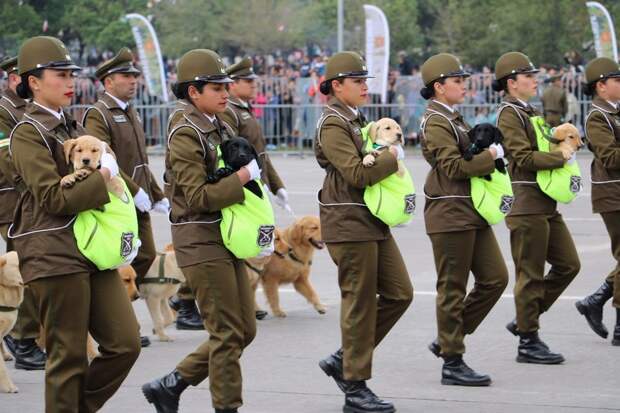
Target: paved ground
x,y
280,368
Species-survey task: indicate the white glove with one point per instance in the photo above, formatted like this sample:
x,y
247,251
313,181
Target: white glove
x,y
499,149
572,159
253,169
142,201
401,152
108,162
162,206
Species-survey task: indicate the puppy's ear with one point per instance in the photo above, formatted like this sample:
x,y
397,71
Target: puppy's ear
x,y
473,132
373,131
68,146
499,137
105,148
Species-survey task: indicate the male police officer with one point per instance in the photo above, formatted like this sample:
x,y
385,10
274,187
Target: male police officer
x,y
555,104
22,340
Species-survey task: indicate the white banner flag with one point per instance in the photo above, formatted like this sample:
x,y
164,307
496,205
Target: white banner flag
x,y
377,50
603,31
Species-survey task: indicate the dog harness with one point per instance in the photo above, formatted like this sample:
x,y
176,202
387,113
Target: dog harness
x,y
392,199
561,184
292,256
247,227
161,274
108,236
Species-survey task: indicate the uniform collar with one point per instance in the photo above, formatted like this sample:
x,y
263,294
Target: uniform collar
x,y
604,105
449,108
343,110
198,119
518,102
113,101
238,102
45,117
444,110
13,99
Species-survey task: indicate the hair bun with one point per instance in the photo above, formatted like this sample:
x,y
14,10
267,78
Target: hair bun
x,y
176,90
325,87
426,93
23,91
496,85
588,88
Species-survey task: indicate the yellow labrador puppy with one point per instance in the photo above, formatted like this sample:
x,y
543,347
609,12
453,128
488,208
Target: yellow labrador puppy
x,y
11,296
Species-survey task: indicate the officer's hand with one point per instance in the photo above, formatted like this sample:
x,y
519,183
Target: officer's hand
x,y
109,162
142,201
162,206
398,152
253,169
497,151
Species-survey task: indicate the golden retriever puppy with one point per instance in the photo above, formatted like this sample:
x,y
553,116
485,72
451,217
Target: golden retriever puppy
x,y
383,133
11,296
85,153
161,282
303,238
567,139
255,267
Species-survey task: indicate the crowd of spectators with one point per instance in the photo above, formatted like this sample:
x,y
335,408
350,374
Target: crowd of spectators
x,y
289,104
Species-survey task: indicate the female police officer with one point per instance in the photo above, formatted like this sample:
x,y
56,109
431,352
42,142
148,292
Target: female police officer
x,y
603,133
218,280
462,240
73,297
537,230
369,262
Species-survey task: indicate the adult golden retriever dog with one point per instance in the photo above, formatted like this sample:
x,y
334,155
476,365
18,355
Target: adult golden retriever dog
x,y
303,237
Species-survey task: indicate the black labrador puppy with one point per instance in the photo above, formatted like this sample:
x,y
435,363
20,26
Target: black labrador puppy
x,y
481,137
236,153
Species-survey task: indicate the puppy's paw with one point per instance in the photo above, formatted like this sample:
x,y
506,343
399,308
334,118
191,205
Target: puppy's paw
x,y
279,313
9,387
164,337
81,174
320,308
67,181
368,160
7,357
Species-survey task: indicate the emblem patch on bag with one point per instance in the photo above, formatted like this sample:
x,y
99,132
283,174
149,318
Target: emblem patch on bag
x,y
506,204
119,118
575,184
126,244
265,235
409,204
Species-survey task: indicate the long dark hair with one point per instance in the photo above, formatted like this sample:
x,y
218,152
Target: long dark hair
x,y
23,89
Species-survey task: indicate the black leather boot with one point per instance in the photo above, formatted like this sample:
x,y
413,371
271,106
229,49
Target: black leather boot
x,y
512,327
616,340
260,314
226,410
592,308
533,350
174,302
10,343
188,317
434,348
164,393
145,341
456,372
332,366
28,356
360,399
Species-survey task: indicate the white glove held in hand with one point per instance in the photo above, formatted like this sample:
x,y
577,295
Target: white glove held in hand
x,y
499,149
282,200
572,159
142,201
108,162
400,152
253,169
162,206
